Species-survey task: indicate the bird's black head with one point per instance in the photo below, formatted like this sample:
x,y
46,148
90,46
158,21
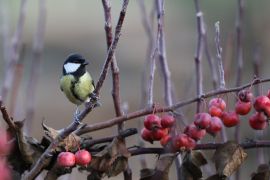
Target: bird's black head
x,y
75,65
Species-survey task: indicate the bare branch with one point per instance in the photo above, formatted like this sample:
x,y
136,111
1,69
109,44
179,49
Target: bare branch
x,y
143,112
219,57
14,52
35,66
206,146
198,53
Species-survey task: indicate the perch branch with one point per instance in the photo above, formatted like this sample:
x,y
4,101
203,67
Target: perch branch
x,y
45,158
115,73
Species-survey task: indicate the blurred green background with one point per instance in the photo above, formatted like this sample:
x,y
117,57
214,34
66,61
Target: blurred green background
x,y
78,26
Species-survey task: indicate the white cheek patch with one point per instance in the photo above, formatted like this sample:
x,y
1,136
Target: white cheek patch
x,y
71,67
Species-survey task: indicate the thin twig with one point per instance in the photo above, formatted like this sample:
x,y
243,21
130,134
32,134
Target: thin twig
x,y
198,53
258,134
221,72
148,110
144,80
164,65
239,54
222,84
14,52
110,54
45,158
115,73
35,66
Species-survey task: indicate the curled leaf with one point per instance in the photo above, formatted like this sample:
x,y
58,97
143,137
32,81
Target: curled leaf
x,y
112,160
70,143
228,158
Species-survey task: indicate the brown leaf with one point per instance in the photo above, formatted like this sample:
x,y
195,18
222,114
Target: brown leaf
x,y
228,158
163,166
113,159
191,165
70,143
262,173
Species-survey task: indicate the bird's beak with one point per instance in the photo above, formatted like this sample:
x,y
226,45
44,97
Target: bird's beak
x,y
85,63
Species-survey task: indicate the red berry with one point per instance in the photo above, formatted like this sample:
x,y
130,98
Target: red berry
x,y
218,102
158,134
242,108
5,170
191,144
202,120
268,94
83,157
165,140
167,121
147,135
258,121
230,119
66,159
152,121
245,95
261,102
180,141
194,132
259,116
215,111
5,147
215,126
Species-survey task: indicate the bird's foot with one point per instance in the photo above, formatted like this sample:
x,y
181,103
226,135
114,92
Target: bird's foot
x,y
95,99
76,114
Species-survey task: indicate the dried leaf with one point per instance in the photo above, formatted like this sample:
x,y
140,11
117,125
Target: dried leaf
x,y
71,143
191,165
263,173
113,159
197,158
228,158
163,166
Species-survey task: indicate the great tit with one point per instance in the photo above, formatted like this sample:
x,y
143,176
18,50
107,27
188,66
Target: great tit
x,y
76,82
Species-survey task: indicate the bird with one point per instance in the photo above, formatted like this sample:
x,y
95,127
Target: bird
x,y
76,82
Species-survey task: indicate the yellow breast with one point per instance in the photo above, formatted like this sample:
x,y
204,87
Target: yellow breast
x,y
77,91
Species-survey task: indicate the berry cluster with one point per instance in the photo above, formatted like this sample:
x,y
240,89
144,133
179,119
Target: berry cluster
x,y
68,159
157,129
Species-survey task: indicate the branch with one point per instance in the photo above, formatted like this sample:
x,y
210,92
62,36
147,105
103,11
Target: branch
x,y
162,54
198,53
45,158
221,72
126,133
148,28
206,146
35,66
112,48
14,52
115,73
149,110
219,57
